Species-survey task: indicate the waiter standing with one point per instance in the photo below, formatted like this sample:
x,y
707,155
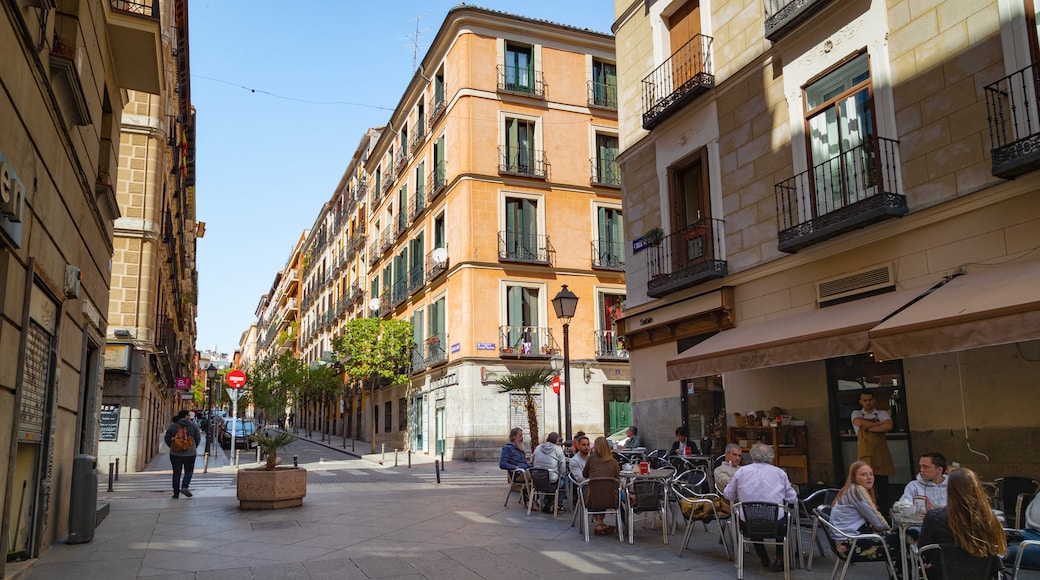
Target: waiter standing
x,y
872,444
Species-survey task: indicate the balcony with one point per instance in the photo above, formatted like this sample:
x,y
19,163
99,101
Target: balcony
x,y
437,110
416,278
374,253
388,181
605,173
355,292
680,79
609,346
387,240
399,292
521,161
401,225
66,83
136,42
436,263
603,95
686,258
855,189
783,16
525,342
434,350
520,81
608,255
418,360
384,303
417,138
436,181
523,247
418,203
1014,122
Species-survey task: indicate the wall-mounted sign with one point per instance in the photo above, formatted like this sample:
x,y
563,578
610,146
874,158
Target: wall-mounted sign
x,y
117,357
108,428
182,383
486,346
456,348
638,245
449,379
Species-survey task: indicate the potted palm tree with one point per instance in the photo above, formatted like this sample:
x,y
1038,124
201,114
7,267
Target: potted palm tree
x,y
271,487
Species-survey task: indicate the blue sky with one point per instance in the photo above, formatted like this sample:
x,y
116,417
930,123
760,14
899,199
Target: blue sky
x,y
283,92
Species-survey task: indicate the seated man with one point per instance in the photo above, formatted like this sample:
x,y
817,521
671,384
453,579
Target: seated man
x,y
633,439
549,456
579,459
682,444
513,456
762,481
930,481
724,472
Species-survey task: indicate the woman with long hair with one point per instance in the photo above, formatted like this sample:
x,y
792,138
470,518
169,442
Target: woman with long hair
x,y
967,522
601,463
855,511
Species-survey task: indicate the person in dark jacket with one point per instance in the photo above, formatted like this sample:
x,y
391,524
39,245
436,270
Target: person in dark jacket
x,y
182,460
513,456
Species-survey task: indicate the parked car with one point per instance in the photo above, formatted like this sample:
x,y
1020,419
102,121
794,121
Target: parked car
x,y
243,429
618,437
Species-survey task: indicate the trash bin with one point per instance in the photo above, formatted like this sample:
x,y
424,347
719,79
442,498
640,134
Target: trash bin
x,y
83,502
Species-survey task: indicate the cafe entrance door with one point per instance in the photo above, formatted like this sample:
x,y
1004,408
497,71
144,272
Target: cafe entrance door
x,y
703,405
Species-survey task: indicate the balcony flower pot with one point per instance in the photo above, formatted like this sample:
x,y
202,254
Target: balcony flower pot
x,y
271,487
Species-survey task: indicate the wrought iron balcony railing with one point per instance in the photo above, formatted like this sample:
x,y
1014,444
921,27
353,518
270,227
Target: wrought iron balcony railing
x,y
525,341
609,346
602,95
437,110
436,181
384,303
608,255
686,258
418,135
416,278
388,180
375,251
418,361
418,202
434,264
521,161
523,247
605,172
399,292
686,74
857,188
434,348
520,80
146,8
387,240
783,16
401,225
1014,122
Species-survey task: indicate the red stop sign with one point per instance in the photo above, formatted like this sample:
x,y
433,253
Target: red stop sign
x,y
236,379
556,384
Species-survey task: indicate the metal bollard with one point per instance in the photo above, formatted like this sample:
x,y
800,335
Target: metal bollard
x,y
117,469
110,474
258,454
238,456
352,444
442,462
395,457
409,459
205,462
295,461
382,452
437,468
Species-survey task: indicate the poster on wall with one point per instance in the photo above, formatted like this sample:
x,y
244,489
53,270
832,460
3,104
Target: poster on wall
x,y
108,428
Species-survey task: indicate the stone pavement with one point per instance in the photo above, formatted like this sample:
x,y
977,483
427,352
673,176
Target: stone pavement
x,y
365,520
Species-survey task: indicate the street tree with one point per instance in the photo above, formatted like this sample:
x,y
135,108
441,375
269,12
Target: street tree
x,y
525,382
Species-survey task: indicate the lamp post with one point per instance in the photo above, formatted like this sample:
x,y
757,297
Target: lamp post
x,y
556,363
211,371
565,303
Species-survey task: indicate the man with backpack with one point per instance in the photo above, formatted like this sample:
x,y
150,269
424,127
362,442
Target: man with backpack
x,y
182,437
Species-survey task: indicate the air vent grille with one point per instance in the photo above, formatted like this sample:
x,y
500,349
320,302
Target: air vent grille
x,y
857,283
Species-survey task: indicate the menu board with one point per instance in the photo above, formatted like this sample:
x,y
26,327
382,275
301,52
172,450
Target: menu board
x,y
108,429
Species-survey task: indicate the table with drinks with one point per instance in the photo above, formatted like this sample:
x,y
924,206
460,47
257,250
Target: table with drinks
x,y
906,516
642,472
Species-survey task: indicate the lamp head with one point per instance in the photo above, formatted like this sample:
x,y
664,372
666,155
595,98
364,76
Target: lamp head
x,y
211,371
565,303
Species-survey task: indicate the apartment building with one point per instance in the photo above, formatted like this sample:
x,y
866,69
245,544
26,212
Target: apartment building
x,y
278,313
825,197
150,341
492,186
65,71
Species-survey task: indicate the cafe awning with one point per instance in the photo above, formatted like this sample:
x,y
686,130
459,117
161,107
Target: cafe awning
x,y
824,333
989,305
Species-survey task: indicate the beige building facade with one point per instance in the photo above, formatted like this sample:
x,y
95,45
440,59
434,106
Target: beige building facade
x,y
847,200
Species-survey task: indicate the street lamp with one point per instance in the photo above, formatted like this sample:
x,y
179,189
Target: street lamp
x,y
211,371
565,303
556,363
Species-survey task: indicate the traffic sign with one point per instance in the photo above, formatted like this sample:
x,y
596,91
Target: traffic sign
x,y
556,384
233,394
236,379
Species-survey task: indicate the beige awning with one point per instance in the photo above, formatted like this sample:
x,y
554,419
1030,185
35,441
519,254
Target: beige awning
x,y
985,307
820,334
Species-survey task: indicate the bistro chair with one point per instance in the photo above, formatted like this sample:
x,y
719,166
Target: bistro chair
x,y
823,517
544,489
687,494
594,490
1022,546
806,517
955,563
759,525
1009,500
519,483
693,479
645,501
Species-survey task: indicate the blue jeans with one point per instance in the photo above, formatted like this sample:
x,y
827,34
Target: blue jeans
x,y
182,463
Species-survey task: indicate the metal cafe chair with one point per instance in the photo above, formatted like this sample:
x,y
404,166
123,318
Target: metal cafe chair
x,y
600,487
823,517
760,526
956,564
543,488
687,494
519,483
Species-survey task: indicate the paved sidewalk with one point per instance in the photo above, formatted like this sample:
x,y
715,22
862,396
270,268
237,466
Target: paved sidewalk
x,y
364,520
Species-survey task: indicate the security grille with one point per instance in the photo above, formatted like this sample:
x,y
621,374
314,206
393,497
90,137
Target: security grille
x,y
35,377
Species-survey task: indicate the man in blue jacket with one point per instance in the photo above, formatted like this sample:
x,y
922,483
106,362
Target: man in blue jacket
x,y
513,456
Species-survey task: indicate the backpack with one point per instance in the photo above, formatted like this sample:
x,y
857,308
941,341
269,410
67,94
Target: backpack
x,y
182,441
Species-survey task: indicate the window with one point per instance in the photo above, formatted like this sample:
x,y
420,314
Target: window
x,y
604,84
400,291
692,237
523,320
683,25
402,414
378,185
418,355
840,122
521,240
438,90
519,154
437,332
610,239
402,208
519,68
417,254
606,170
420,188
439,166
439,239
403,146
388,416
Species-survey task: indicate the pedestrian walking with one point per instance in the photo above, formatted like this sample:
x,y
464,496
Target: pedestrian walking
x,y
182,437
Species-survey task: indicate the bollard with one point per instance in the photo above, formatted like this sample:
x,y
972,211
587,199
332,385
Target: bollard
x,y
442,461
117,469
205,462
382,452
437,468
409,459
352,444
295,461
395,457
238,456
344,440
110,473
258,454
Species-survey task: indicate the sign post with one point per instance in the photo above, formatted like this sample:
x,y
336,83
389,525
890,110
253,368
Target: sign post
x,y
236,379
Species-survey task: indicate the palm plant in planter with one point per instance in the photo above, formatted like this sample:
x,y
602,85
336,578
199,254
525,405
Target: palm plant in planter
x,y
271,487
270,444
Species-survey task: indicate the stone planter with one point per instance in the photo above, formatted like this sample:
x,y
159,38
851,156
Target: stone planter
x,y
261,489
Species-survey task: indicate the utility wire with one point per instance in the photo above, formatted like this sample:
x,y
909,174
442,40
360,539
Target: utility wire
x,y
294,99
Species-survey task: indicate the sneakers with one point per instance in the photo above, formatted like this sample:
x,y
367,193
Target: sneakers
x,y
176,494
186,492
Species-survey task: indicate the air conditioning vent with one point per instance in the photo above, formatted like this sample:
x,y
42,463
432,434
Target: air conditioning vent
x,y
861,282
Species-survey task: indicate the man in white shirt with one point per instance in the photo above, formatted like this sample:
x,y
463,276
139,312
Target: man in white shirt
x,y
578,461
764,482
871,425
930,481
724,472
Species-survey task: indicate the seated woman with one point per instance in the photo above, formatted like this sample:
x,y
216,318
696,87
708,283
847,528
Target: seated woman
x,y
601,463
682,444
855,512
967,522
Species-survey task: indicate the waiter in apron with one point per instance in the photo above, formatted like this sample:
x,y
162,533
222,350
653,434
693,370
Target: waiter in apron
x,y
872,444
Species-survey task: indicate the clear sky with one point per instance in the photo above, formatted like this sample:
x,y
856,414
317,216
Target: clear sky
x,y
283,93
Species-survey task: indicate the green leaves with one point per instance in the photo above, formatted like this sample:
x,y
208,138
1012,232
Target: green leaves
x,y
373,346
